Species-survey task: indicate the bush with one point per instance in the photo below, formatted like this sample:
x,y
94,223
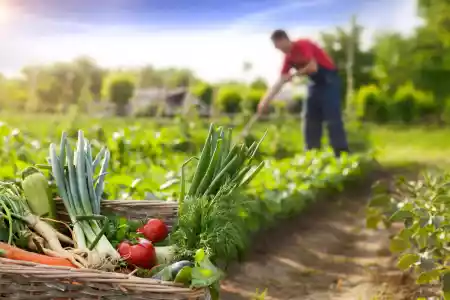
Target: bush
x,y
250,102
121,90
280,108
295,106
229,100
409,103
427,106
445,116
259,84
204,92
371,104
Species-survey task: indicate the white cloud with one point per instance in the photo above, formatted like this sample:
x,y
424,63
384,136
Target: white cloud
x,y
256,20
214,54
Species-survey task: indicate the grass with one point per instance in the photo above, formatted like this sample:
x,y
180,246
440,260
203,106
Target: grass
x,y
411,145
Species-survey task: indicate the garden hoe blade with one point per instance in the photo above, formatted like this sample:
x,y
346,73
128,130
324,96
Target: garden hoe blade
x,y
248,127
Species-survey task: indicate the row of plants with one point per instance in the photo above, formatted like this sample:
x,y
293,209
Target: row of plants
x,y
228,195
407,104
421,241
144,154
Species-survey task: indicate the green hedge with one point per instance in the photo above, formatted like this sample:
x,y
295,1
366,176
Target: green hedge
x,y
406,104
250,102
229,100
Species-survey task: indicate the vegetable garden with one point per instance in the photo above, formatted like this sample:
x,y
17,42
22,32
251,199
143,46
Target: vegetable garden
x,y
148,212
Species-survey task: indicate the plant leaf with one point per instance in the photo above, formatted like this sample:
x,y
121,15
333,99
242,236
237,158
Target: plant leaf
x,y
407,260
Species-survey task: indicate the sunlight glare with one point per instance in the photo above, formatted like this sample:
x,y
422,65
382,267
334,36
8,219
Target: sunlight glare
x,y
5,12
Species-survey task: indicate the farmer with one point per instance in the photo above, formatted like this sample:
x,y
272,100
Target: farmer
x,y
323,103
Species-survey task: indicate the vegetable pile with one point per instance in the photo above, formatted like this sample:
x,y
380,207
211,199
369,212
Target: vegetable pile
x,y
31,231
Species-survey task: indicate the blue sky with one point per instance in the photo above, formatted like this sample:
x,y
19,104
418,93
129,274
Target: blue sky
x,y
194,14
213,38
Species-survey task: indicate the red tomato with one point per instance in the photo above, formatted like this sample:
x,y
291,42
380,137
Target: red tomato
x,y
141,255
155,230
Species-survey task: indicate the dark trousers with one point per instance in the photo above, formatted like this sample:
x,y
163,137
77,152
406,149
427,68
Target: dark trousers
x,y
323,105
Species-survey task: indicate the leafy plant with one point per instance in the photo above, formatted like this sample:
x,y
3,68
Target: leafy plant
x,y
422,244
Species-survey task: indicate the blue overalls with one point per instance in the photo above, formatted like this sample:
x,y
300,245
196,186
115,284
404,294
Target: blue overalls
x,y
323,104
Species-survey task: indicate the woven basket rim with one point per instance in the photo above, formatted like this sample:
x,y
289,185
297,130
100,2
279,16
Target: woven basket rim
x,y
138,202
52,273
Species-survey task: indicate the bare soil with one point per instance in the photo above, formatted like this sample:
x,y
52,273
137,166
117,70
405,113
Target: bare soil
x,y
325,253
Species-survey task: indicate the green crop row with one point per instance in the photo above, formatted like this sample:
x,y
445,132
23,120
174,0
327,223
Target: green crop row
x,y
282,188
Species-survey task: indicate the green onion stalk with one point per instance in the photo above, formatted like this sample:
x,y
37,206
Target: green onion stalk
x,y
222,167
81,194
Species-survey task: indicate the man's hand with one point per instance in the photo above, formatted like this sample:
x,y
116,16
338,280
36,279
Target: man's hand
x,y
263,106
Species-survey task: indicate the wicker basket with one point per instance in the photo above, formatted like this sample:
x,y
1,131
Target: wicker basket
x,y
24,280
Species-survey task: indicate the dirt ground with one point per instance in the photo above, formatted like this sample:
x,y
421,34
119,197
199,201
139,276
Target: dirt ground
x,y
326,253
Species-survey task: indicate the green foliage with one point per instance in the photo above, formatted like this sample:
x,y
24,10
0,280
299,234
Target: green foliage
x,y
259,84
204,92
229,99
13,93
427,106
358,136
250,102
121,90
408,102
280,109
393,61
336,45
445,115
422,207
295,106
290,185
371,104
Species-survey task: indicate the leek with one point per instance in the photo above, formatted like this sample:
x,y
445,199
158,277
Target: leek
x,y
81,194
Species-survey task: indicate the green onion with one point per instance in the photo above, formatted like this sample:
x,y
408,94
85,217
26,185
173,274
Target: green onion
x,y
81,194
222,163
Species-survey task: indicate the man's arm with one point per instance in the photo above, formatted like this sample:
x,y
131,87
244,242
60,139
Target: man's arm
x,y
311,67
272,92
275,89
306,48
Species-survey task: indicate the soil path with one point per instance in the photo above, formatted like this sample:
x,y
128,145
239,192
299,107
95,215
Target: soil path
x,y
326,253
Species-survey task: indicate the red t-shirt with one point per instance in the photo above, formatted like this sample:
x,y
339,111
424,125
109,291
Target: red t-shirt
x,y
302,52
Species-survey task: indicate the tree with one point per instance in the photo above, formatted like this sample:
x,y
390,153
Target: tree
x,y
393,61
121,90
175,78
85,97
149,77
431,49
90,72
337,43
